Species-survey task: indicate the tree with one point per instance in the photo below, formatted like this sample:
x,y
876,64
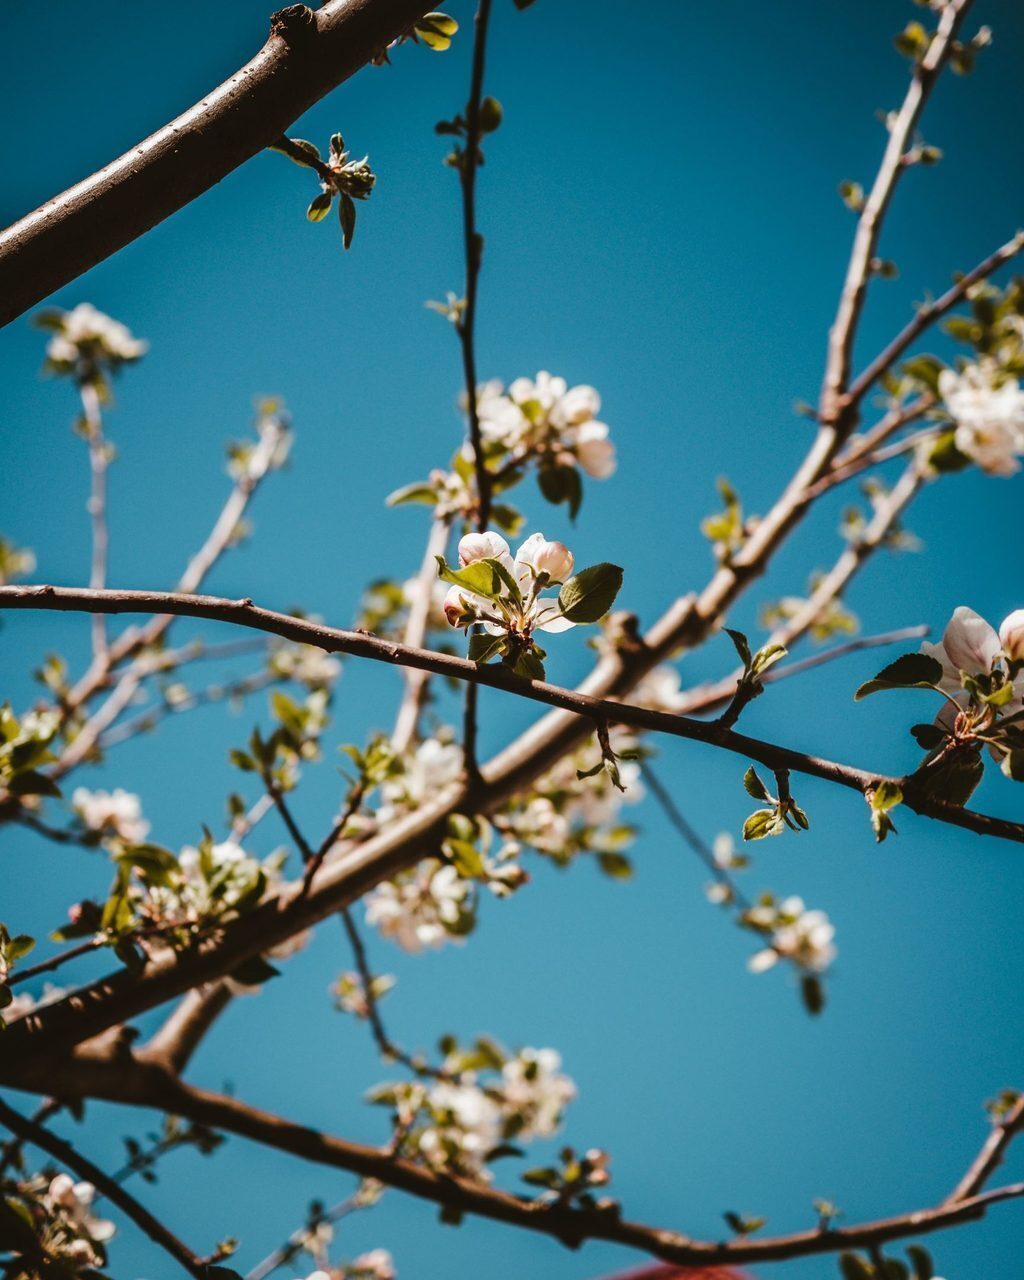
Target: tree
x,y
426,829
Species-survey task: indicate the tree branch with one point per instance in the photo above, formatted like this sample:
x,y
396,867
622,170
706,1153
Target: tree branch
x,y
31,1131
930,312
360,644
306,55
834,402
570,1225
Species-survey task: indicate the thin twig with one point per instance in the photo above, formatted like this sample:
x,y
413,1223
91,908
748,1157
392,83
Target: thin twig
x,y
691,836
416,682
386,1046
148,720
93,420
469,161
297,1241
991,1155
930,312
834,400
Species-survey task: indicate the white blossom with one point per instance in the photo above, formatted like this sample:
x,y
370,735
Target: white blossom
x,y
988,411
431,766
968,644
543,415
536,1091
111,813
306,664
661,690
801,936
1011,635
85,334
377,1264
466,1127
71,1203
508,615
418,908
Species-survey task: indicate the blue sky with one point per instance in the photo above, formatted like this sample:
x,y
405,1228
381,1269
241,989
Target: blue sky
x,y
661,219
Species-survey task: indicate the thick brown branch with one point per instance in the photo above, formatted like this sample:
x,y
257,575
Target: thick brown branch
x,y
306,56
571,1226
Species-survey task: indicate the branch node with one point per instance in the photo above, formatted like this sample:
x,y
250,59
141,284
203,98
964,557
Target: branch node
x,y
295,24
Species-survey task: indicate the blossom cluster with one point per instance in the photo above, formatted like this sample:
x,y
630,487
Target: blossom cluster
x,y
483,1098
575,808
111,814
539,423
793,933
544,417
986,406
377,1264
158,900
505,595
250,460
980,673
60,1210
87,343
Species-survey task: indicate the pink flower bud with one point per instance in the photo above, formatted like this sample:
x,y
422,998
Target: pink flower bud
x,y
455,608
1011,635
482,546
972,645
553,558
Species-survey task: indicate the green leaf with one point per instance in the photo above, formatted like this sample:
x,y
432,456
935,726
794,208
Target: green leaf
x,y
945,457
886,796
853,1267
490,115
813,994
744,1226
540,1177
482,577
484,647
418,492
754,786
347,218
615,865
928,736
31,783
319,207
912,671
925,369
921,1259
312,151
562,484
761,823
954,781
436,31
766,657
466,859
1013,764
529,666
741,645
254,972
589,594
20,945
